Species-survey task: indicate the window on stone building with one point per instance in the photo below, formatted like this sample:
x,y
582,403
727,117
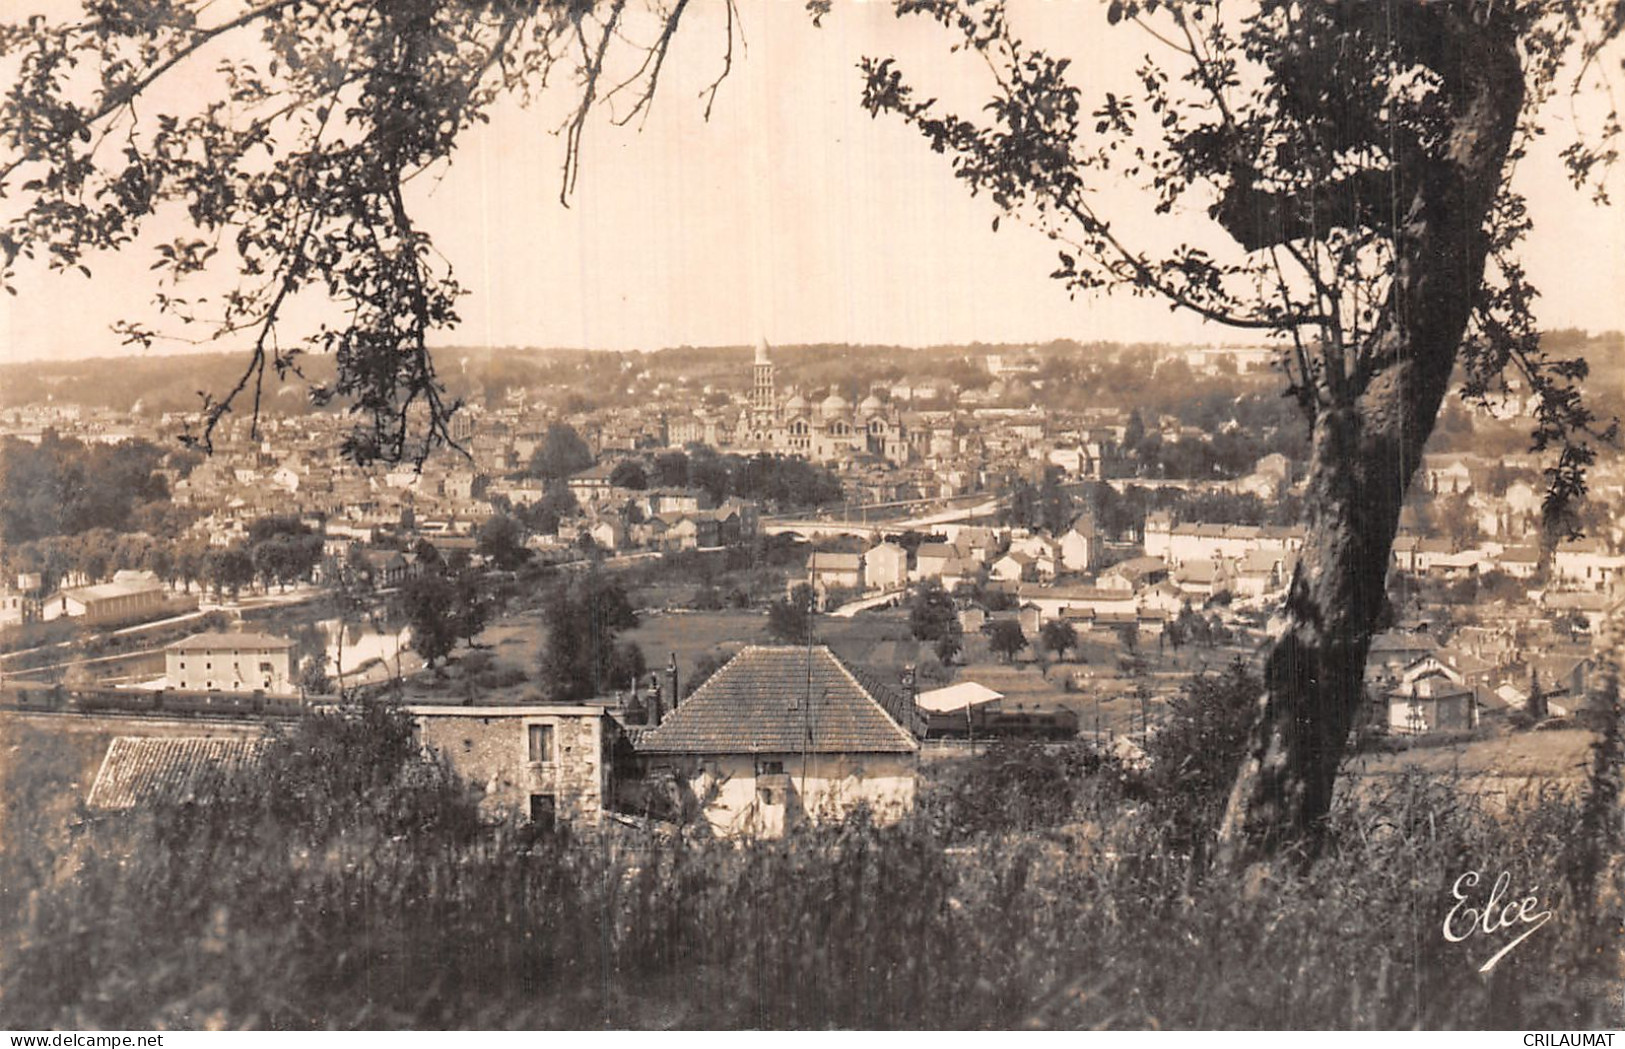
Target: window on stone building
x,y
541,744
543,808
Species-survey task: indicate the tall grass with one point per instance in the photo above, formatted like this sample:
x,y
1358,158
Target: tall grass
x,y
371,900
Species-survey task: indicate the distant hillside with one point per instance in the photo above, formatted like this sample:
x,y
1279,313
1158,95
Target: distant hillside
x,y
1071,374
157,383
149,383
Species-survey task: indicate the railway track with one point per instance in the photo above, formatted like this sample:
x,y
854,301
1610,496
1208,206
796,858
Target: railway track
x,y
156,718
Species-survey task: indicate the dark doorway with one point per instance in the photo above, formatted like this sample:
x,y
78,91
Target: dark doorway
x,y
543,811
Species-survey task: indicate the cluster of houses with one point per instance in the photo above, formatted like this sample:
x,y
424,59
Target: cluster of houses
x,y
1575,564
888,445
1580,580
1059,577
778,735
1417,686
660,519
970,555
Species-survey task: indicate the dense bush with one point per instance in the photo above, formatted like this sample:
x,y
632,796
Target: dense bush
x,y
1019,786
583,655
1195,755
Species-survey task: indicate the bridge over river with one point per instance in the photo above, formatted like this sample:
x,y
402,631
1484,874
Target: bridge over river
x,y
876,518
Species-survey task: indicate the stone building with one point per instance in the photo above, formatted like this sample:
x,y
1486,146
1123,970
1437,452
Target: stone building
x,y
545,764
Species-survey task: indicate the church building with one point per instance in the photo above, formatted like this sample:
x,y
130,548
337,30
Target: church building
x,y
826,430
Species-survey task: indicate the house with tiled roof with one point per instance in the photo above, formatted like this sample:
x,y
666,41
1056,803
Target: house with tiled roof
x,y
1052,601
957,571
1594,608
592,485
1429,553
139,771
1567,674
1015,567
1403,551
1392,651
885,567
1585,564
829,570
931,559
1205,579
787,733
1519,562
1434,703
1264,571
1136,572
107,602
1080,546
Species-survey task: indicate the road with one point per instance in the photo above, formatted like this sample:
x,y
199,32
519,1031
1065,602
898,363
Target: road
x,y
863,604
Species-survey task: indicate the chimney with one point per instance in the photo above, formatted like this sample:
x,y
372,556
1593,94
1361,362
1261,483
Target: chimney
x,y
656,709
671,680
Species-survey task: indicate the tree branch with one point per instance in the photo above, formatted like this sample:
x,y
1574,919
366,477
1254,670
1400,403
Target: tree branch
x,y
1258,218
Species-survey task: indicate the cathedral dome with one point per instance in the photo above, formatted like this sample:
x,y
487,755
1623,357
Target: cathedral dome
x,y
834,405
796,403
871,405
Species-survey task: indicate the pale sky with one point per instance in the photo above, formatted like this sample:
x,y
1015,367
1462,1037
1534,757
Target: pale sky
x,y
791,215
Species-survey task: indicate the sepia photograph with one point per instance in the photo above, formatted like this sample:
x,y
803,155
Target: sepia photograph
x,y
807,515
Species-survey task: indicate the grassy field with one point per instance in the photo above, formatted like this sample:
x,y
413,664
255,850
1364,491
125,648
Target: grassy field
x,y
515,643
1563,754
690,635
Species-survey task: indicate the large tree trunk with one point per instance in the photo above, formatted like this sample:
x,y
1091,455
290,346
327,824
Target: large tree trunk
x,y
1366,447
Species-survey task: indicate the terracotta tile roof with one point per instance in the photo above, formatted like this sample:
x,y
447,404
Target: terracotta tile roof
x,y
890,693
138,770
759,703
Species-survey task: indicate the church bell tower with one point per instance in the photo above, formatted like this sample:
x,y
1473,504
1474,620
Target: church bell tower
x,y
762,402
